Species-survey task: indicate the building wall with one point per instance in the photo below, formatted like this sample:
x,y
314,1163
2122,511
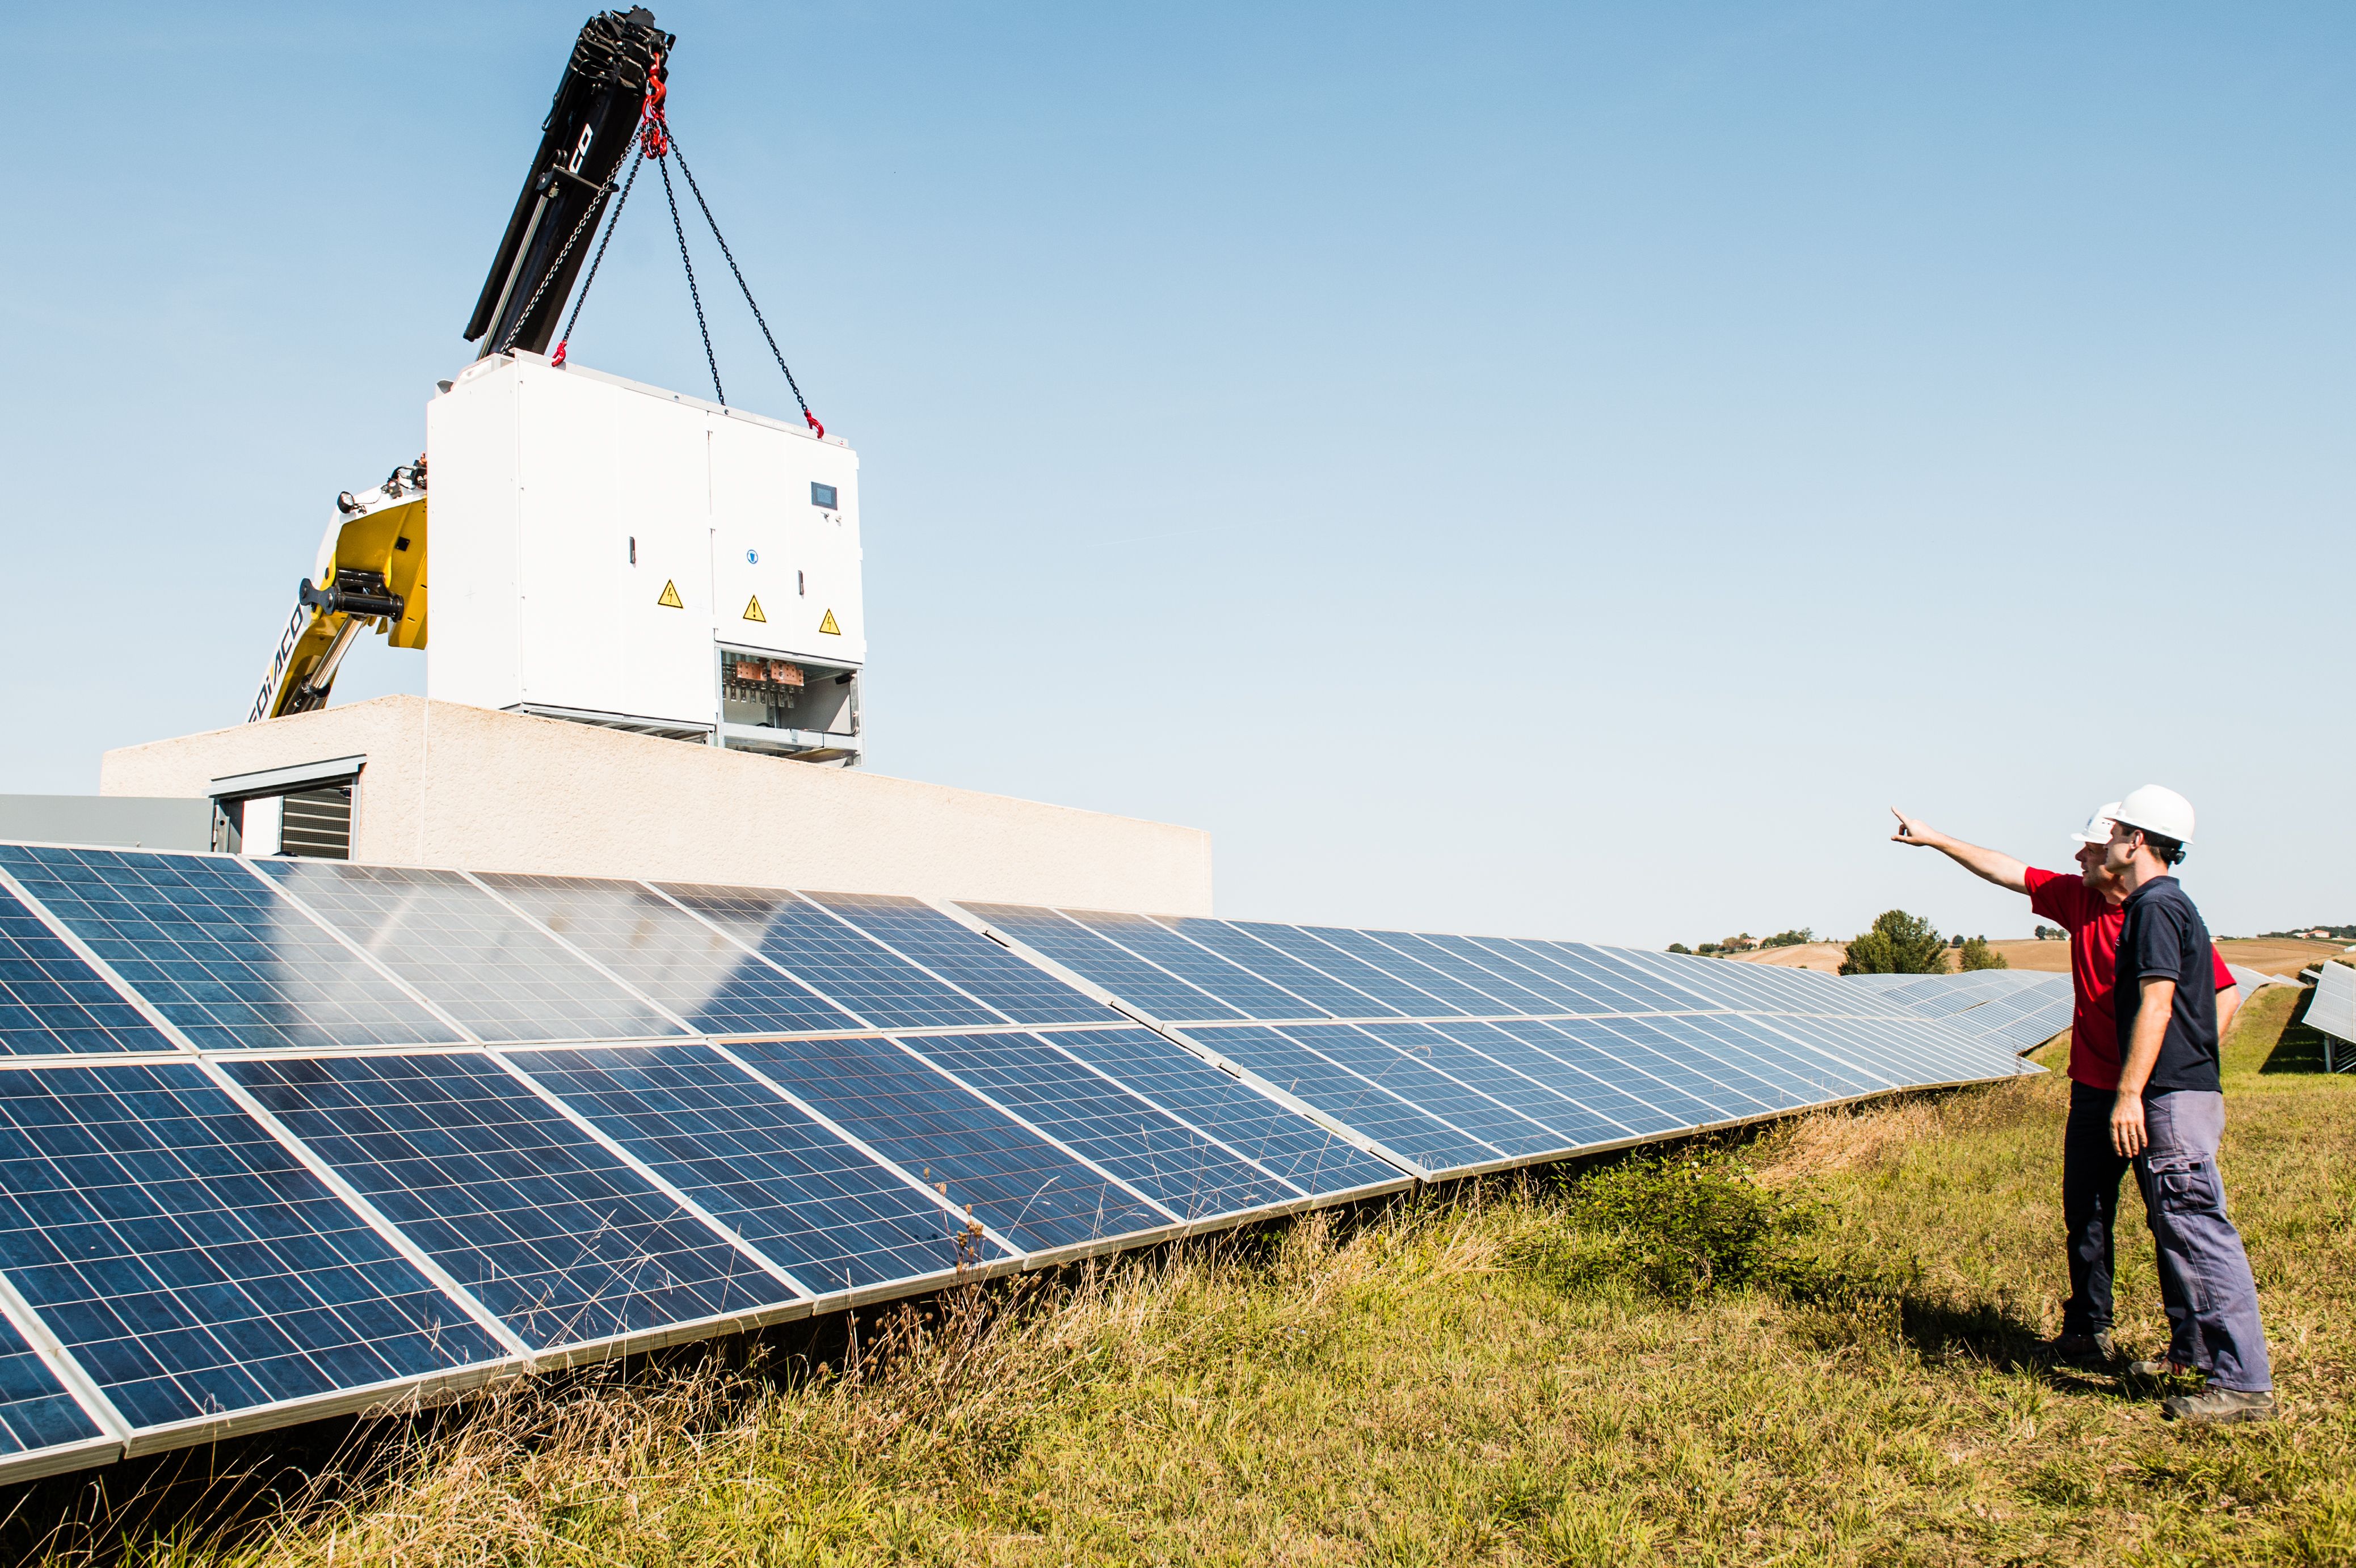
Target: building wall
x,y
130,822
446,785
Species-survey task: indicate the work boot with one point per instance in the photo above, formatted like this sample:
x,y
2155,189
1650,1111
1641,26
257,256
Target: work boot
x,y
2161,1370
2219,1404
2093,1352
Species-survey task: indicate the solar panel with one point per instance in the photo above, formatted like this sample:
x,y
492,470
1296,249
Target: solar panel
x,y
1172,1162
1018,1184
1066,941
1319,990
969,960
1505,991
36,1411
488,968
833,1216
1603,1085
1648,991
51,1003
1535,1096
1199,965
1612,1058
228,962
1593,993
553,1233
669,955
1321,950
1278,1139
1379,950
1416,1139
614,1183
847,966
190,1263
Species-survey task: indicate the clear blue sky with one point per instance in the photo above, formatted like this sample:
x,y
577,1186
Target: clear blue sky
x,y
1555,470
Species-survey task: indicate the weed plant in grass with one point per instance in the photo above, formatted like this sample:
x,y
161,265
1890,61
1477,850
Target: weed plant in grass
x,y
1815,1346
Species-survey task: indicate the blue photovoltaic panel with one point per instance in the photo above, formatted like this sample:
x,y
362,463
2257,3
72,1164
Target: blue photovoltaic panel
x,y
1815,1075
35,1412
1590,993
1594,1048
1681,1066
1379,950
498,975
1197,965
188,1262
1508,992
969,960
1117,969
1652,993
1720,982
1505,1068
1018,1184
1555,994
1275,1137
220,955
551,1232
1894,1050
1425,1076
1604,993
1177,1166
1305,945
1383,1115
825,1213
847,966
1556,1059
51,1003
1767,1084
1231,942
671,956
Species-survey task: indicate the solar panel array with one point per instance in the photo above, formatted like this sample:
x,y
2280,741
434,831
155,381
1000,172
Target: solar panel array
x,y
2015,1010
282,1138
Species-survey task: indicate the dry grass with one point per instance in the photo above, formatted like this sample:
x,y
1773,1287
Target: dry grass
x,y
1408,1391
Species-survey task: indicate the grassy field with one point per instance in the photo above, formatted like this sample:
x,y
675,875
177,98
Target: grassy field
x,y
1815,1346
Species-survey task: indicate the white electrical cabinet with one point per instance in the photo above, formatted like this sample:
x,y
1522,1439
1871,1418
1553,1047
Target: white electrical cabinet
x,y
613,553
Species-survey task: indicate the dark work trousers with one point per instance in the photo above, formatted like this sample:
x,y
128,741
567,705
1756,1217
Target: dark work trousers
x,y
2205,1273
2090,1172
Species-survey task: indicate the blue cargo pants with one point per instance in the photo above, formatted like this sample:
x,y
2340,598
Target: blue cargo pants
x,y
2213,1301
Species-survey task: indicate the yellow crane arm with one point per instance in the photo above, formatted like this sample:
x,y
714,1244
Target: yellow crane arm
x,y
371,573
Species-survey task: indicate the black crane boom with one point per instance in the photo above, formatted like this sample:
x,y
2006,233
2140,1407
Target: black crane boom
x,y
584,141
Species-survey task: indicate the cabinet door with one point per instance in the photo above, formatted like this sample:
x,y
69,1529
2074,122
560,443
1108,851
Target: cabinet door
x,y
615,580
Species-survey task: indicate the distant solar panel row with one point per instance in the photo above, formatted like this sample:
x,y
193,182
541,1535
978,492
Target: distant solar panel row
x,y
279,1138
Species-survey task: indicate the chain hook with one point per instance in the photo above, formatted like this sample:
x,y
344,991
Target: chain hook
x,y
656,136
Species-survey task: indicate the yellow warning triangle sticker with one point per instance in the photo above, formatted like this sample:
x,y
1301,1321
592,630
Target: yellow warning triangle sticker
x,y
670,599
829,627
753,611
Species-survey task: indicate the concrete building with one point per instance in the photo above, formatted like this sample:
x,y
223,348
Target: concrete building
x,y
402,781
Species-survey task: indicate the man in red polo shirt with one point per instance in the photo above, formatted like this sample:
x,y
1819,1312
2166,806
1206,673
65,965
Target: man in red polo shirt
x,y
2091,907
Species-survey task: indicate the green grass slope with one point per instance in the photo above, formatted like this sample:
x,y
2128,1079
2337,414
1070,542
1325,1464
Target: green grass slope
x,y
1814,1347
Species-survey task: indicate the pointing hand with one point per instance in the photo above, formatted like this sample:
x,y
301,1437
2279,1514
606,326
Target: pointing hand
x,y
1911,830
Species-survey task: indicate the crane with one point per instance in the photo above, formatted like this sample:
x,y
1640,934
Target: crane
x,y
371,566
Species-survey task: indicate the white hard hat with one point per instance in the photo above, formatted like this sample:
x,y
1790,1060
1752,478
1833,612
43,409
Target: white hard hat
x,y
2098,826
2157,809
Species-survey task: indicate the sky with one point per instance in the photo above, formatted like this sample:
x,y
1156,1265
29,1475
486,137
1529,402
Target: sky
x,y
1552,470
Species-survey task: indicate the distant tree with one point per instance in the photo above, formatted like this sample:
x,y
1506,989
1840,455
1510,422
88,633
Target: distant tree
x,y
1680,947
1789,938
2047,933
1979,955
1709,949
1898,944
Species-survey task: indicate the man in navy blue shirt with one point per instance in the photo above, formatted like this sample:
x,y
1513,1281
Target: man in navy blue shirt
x,y
2170,1117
